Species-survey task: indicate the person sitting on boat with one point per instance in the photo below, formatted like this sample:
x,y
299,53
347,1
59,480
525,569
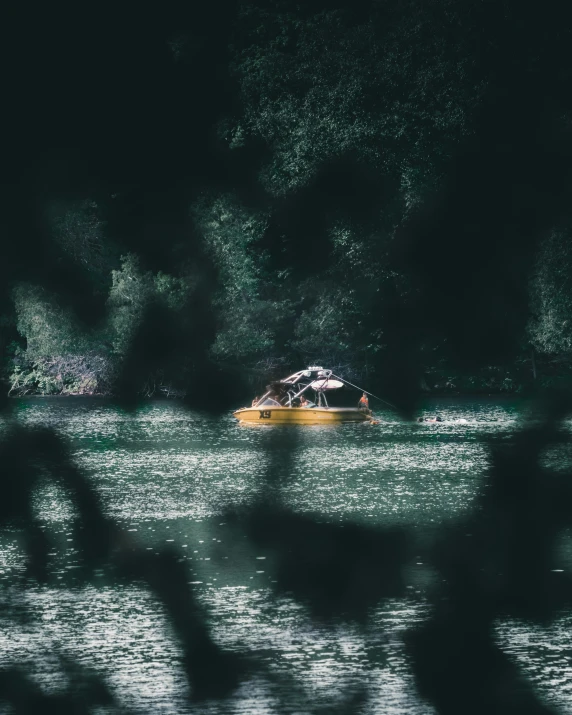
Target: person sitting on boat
x,y
255,401
363,403
304,402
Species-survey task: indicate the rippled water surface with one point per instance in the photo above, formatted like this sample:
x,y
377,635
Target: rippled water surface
x,y
169,476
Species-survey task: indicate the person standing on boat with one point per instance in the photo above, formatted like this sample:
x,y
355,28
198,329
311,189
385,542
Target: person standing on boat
x,y
363,403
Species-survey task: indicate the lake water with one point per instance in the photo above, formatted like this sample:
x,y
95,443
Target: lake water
x,y
168,477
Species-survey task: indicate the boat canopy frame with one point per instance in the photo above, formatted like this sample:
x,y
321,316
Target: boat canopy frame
x,y
304,379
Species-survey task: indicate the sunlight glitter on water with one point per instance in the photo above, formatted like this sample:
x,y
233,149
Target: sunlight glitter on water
x,y
122,634
168,475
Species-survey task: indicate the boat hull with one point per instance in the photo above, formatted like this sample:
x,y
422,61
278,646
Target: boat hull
x,y
301,415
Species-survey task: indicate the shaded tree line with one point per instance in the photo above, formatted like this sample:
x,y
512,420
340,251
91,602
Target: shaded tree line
x,y
332,127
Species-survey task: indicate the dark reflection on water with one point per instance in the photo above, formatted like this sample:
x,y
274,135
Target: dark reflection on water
x,y
167,476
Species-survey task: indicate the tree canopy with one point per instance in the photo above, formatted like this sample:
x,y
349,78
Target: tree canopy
x,y
299,183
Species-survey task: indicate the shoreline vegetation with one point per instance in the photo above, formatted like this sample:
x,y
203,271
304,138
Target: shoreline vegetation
x,y
255,325
492,381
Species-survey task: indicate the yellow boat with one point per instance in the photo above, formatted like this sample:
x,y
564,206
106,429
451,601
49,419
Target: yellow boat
x,y
285,401
302,415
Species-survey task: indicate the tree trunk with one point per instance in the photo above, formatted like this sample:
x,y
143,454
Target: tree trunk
x,y
533,363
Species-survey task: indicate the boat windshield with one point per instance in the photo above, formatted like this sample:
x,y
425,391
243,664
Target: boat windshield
x,y
269,402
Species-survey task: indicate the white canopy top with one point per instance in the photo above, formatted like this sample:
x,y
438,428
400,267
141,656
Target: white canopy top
x,y
326,384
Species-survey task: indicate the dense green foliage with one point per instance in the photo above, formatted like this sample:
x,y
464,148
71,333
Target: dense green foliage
x,y
393,89
551,289
248,299
63,357
344,125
